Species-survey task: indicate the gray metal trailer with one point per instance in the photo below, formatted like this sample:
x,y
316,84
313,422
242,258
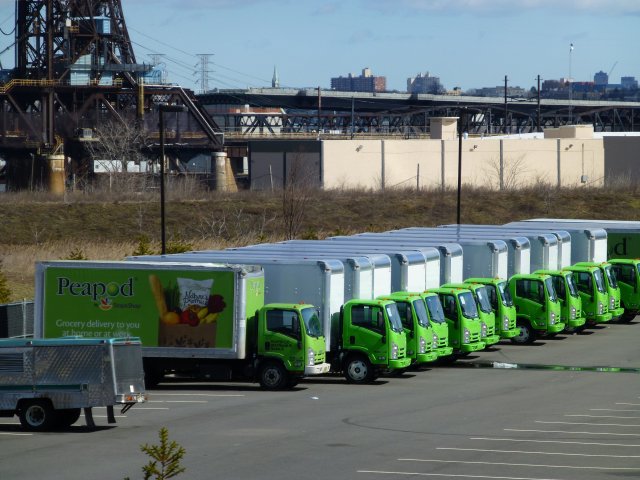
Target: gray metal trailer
x,y
47,382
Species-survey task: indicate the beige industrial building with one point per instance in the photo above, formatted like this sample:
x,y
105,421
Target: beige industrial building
x,y
567,156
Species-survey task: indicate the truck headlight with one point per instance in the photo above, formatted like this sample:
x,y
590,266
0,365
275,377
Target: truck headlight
x,y
422,347
466,336
394,351
435,341
483,329
311,357
573,313
505,323
552,318
612,303
600,308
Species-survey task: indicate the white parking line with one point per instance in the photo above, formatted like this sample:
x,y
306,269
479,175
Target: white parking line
x,y
566,431
151,408
448,475
526,440
632,404
155,394
16,434
598,416
178,401
586,423
610,410
536,453
105,416
580,467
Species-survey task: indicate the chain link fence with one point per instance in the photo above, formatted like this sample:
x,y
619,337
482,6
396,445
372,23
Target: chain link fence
x,y
16,319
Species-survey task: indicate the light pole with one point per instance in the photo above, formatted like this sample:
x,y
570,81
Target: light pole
x,y
162,109
570,87
461,122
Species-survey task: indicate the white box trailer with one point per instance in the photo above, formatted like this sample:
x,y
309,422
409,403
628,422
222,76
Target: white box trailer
x,y
323,284
518,247
623,236
587,244
369,274
358,270
451,254
549,249
411,269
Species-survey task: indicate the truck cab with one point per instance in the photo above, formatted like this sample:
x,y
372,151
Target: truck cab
x,y
290,344
570,302
372,339
626,272
438,324
593,292
502,304
463,320
611,284
421,342
485,311
537,306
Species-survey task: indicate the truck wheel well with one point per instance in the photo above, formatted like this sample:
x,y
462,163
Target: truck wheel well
x,y
23,402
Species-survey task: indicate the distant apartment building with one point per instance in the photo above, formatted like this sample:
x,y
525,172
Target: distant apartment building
x,y
498,92
367,82
424,84
601,78
629,83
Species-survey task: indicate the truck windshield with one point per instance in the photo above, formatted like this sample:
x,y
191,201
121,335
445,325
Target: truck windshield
x,y
611,276
483,300
435,309
571,285
468,305
506,295
311,322
548,283
597,276
394,317
421,312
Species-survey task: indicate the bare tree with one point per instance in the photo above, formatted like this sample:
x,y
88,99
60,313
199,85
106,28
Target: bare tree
x,y
297,192
508,175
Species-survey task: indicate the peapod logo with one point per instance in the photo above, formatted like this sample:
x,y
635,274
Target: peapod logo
x,y
96,290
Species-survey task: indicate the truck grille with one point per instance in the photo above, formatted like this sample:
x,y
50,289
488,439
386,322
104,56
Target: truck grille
x,y
442,342
320,357
474,338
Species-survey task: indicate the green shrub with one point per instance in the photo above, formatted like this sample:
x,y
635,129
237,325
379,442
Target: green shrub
x,y
5,291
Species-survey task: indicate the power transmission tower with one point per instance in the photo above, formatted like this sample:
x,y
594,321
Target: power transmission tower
x,y
203,71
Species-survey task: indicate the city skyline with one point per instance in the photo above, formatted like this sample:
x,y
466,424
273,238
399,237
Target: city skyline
x,y
466,43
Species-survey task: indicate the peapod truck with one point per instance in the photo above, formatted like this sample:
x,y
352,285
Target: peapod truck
x,y
537,307
47,383
571,313
363,337
502,304
201,319
611,284
627,272
592,289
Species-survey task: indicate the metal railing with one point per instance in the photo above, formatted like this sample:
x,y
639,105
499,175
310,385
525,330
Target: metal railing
x,y
17,319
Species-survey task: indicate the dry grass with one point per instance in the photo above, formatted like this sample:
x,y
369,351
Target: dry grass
x,y
108,226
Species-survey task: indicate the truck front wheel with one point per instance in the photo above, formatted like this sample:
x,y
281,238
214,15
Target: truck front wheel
x,y
67,417
527,334
273,376
37,415
358,369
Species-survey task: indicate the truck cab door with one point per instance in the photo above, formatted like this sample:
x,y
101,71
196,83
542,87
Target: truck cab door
x,y
531,299
628,283
365,330
282,335
452,317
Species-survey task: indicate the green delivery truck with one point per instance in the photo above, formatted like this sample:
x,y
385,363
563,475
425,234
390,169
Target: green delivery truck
x,y
438,323
421,341
537,306
591,287
627,274
611,284
570,302
463,321
206,320
502,304
485,311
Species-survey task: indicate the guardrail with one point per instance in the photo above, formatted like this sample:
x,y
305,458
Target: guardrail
x,y
17,319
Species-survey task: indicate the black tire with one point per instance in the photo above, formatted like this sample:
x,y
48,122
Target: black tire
x,y
273,376
527,334
37,415
626,317
358,369
293,381
67,417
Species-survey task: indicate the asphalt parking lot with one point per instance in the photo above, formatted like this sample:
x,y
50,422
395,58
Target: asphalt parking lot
x,y
566,408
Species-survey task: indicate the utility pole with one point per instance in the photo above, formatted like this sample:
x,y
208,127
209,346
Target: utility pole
x,y
539,119
204,71
506,108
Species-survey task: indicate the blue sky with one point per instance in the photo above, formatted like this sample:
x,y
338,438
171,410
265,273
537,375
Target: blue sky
x,y
467,43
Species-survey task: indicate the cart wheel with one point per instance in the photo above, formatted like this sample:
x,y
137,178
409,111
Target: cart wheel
x,y
67,417
37,415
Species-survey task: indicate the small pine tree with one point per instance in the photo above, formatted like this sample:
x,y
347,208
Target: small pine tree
x,y
5,291
76,254
166,458
178,246
144,247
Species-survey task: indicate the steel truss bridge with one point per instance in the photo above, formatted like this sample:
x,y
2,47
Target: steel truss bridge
x,y
290,112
